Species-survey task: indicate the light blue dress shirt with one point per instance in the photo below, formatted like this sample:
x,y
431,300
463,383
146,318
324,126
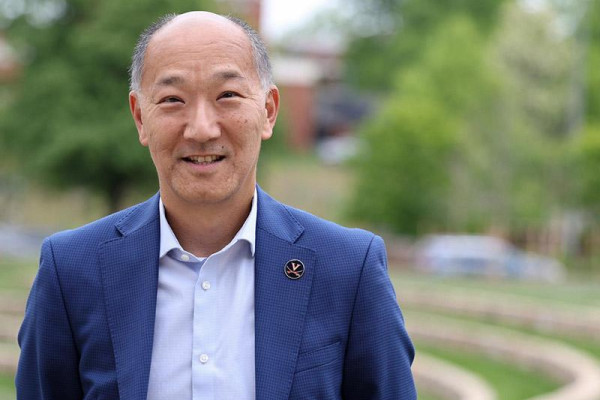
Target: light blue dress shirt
x,y
204,329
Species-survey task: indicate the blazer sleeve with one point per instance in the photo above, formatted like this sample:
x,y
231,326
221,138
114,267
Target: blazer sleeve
x,y
379,352
48,364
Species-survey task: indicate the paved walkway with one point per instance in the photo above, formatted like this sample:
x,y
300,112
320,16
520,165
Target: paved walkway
x,y
12,302
9,357
571,320
579,372
9,350
16,242
448,381
9,327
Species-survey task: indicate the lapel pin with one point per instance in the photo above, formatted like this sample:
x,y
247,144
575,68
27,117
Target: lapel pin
x,y
294,269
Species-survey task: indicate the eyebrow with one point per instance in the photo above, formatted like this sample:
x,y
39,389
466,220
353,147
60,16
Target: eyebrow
x,y
226,75
171,80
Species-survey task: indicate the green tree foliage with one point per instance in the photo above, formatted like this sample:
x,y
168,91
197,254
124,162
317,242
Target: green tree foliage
x,y
587,143
69,122
588,166
499,103
402,182
412,149
391,34
536,61
592,71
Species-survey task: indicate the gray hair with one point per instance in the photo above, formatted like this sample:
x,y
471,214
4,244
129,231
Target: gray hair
x,y
259,52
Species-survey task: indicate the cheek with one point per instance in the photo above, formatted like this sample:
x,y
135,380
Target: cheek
x,y
162,134
238,128
248,121
240,118
161,150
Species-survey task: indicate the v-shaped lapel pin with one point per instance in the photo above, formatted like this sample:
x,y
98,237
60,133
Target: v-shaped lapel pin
x,y
294,269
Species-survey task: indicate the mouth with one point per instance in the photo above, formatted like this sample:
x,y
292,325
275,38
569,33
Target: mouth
x,y
203,160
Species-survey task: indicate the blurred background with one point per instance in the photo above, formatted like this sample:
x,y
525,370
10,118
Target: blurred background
x,y
465,132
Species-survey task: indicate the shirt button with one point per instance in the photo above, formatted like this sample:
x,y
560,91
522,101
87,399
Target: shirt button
x,y
185,257
206,285
203,358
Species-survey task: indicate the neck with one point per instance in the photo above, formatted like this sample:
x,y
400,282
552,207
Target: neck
x,y
207,228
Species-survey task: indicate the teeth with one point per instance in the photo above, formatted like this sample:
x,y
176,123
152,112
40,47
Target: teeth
x,y
203,159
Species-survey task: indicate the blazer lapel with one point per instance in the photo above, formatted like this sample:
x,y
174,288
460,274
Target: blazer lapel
x,y
129,270
280,302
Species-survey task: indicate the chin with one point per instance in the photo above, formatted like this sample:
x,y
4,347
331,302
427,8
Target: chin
x,y
207,195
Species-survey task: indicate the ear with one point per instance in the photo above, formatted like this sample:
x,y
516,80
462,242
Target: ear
x,y
136,112
271,110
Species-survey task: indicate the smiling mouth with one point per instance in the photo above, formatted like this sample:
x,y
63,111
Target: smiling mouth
x,y
203,160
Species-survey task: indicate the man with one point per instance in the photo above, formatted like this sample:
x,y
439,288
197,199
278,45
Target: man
x,y
211,289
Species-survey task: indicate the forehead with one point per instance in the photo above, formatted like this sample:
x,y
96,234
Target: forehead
x,y
203,41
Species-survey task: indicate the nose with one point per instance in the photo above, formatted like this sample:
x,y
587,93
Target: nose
x,y
203,123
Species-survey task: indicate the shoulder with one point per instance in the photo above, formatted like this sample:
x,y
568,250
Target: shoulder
x,y
103,229
307,229
310,231
328,233
344,250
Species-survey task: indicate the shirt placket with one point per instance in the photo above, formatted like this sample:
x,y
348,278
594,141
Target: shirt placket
x,y
204,367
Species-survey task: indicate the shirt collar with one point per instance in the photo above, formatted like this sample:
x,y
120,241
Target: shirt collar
x,y
168,240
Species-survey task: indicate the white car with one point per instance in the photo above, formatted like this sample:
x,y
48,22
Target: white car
x,y
475,255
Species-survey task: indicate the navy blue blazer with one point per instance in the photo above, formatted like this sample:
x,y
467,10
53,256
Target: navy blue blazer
x,y
335,333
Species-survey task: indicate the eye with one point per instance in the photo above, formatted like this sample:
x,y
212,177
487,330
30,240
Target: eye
x,y
171,99
228,95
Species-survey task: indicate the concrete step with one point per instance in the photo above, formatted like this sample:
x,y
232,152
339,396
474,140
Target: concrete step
x,y
9,357
578,371
570,320
9,327
448,381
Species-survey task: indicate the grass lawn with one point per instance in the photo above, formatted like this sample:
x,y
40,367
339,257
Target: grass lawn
x,y
510,381
7,388
586,345
301,182
570,293
577,293
17,275
15,279
423,396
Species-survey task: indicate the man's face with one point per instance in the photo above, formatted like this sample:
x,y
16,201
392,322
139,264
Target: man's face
x,y
202,111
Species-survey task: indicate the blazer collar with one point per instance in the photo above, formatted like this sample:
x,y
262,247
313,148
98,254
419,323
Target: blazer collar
x,y
274,218
129,270
280,303
139,216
